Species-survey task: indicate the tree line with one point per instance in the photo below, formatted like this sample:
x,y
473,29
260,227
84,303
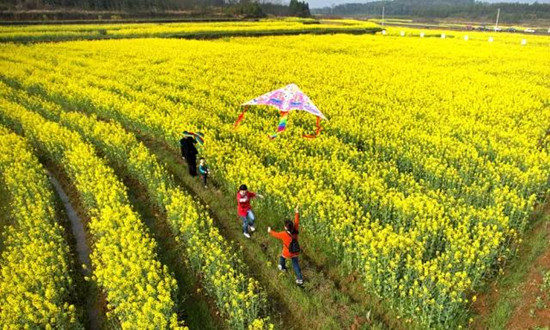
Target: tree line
x,y
468,9
247,8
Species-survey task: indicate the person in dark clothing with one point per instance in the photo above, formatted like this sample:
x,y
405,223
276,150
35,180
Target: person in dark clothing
x,y
189,153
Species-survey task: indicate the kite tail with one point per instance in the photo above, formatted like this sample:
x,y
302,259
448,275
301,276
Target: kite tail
x,y
282,124
317,130
241,117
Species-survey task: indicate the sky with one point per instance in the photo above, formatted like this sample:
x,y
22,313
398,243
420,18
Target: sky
x,y
328,3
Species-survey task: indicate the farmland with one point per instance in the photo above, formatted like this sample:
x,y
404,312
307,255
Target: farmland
x,y
419,192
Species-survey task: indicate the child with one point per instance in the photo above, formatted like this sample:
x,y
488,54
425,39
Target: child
x,y
291,249
243,208
203,170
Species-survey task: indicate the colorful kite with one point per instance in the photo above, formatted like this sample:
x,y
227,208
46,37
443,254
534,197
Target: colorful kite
x,y
199,137
286,99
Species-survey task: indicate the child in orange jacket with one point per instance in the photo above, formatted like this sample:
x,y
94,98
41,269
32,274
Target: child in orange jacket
x,y
290,250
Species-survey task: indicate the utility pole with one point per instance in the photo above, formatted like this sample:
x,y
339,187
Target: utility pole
x,y
382,16
498,15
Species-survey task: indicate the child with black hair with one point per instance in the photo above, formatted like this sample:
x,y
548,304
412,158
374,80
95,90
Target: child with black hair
x,y
244,209
291,248
203,171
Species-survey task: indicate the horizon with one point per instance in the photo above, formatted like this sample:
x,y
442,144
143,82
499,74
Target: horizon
x,y
318,4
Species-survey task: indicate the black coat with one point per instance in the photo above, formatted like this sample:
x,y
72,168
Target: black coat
x,y
188,149
189,152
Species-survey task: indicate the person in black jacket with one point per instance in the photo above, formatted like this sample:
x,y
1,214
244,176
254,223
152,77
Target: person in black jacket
x,y
189,153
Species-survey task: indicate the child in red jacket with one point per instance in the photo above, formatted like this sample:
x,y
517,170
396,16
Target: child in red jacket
x,y
291,249
245,211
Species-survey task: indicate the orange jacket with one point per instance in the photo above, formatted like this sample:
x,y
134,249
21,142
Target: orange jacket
x,y
286,238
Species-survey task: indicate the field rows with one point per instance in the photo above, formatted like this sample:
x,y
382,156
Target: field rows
x,y
422,182
36,283
65,32
237,296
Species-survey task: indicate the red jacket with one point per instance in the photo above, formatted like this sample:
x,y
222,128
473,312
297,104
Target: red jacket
x,y
243,203
286,238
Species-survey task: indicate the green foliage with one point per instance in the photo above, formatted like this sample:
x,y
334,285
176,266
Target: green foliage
x,y
299,8
510,12
248,10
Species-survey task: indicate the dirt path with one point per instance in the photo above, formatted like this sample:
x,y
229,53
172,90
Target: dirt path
x,y
511,300
530,313
82,249
193,306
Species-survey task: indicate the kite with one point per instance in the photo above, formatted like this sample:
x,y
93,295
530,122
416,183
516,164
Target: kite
x,y
199,137
286,99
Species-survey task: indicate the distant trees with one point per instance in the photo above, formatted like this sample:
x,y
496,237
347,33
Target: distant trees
x,y
298,8
115,5
469,9
247,8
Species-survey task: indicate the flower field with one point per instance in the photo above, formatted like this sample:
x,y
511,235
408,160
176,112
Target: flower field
x,y
137,286
422,183
180,30
35,279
